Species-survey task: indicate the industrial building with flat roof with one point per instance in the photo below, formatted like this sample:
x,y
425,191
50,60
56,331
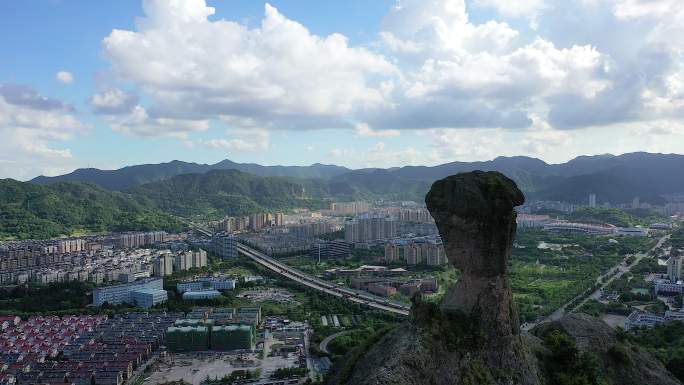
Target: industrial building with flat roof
x,y
148,291
201,294
206,283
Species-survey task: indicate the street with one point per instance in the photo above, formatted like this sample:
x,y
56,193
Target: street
x,y
621,269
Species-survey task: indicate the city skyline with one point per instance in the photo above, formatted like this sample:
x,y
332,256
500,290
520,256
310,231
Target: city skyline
x,y
357,84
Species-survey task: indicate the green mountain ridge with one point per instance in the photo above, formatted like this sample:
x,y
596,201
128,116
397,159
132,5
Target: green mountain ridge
x,y
33,211
230,192
641,174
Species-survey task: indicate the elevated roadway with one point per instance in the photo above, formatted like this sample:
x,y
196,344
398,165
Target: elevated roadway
x,y
355,296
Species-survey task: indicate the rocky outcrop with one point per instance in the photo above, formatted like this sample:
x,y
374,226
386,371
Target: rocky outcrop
x,y
472,336
619,361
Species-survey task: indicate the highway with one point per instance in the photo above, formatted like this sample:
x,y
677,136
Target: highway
x,y
355,296
287,271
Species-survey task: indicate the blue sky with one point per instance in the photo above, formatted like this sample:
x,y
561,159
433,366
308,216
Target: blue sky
x,y
357,83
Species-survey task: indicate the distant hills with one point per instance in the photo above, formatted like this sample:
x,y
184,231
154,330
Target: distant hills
x,y
615,179
147,196
127,177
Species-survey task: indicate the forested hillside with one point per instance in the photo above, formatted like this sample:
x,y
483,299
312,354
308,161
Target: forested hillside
x,y
229,192
32,211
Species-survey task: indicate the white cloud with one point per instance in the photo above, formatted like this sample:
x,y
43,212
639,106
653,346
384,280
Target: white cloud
x,y
139,122
462,74
516,8
380,155
634,9
340,152
113,101
279,75
240,140
364,130
65,77
591,64
30,125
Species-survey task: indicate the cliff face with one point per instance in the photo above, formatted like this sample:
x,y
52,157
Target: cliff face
x,y
473,336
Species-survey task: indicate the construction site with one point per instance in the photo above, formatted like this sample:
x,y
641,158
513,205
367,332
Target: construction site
x,y
221,329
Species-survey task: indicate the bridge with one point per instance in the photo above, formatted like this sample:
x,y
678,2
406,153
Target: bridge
x,y
355,296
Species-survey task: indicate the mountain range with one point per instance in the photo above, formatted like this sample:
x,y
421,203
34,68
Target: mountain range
x,y
130,176
615,179
148,196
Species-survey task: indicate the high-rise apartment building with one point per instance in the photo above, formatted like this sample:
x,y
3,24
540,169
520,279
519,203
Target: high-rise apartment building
x,y
310,230
423,252
369,229
163,265
349,208
592,200
225,245
674,268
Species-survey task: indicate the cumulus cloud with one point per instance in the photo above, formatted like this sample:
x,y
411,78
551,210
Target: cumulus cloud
x,y
31,124
591,63
113,102
65,77
478,75
278,75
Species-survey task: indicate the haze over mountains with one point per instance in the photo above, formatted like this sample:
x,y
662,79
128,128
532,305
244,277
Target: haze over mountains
x,y
613,178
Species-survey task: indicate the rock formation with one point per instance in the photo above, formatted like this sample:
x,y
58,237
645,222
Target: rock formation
x,y
475,217
473,336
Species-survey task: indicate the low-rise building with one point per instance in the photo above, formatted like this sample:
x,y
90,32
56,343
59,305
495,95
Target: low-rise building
x,y
149,297
117,294
640,319
214,283
201,294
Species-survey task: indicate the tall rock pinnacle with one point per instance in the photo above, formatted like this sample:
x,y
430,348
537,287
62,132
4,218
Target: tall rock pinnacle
x,y
475,217
473,337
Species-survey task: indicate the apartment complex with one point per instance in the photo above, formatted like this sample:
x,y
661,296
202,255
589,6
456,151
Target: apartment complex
x,y
137,239
349,208
95,259
416,252
313,229
370,229
190,259
253,222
